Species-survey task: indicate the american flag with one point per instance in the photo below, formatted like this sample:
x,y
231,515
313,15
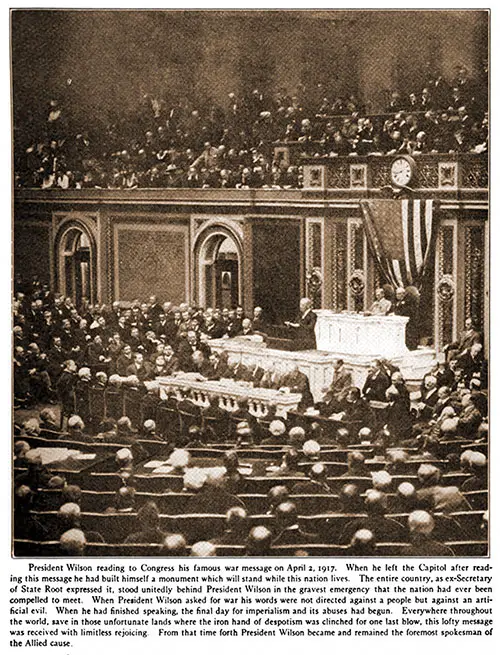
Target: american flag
x,y
401,235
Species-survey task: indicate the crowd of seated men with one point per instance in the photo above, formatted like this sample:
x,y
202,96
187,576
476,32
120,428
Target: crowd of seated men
x,y
183,143
350,473
53,340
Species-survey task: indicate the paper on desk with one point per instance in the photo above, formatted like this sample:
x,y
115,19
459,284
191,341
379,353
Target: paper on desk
x,y
163,469
84,456
154,464
51,455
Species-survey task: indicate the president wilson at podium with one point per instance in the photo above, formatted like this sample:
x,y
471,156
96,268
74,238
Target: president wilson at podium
x,y
303,327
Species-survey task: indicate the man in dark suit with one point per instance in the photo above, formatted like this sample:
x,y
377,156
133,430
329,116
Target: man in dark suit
x,y
124,360
287,528
467,338
246,328
428,397
258,322
421,525
164,327
213,498
66,389
154,309
304,325
185,350
407,305
335,395
356,408
377,382
56,358
384,529
298,382
398,417
171,361
473,364
316,485
143,370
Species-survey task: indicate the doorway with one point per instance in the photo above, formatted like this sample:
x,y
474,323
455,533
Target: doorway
x,y
219,272
76,266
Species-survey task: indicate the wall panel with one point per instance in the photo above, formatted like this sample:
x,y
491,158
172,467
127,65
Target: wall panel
x,y
151,259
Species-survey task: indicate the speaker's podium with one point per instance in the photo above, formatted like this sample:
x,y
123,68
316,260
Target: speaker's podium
x,y
357,334
282,337
358,339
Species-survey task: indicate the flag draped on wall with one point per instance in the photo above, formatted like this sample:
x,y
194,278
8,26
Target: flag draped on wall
x,y
401,235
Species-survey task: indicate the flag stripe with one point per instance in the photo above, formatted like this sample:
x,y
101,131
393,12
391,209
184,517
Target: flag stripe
x,y
405,206
397,272
425,241
412,271
428,219
417,241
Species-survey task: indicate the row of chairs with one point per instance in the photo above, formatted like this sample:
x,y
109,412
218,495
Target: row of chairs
x,y
116,527
27,548
174,503
253,485
329,452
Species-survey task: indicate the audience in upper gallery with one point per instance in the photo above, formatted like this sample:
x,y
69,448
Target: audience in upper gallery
x,y
181,142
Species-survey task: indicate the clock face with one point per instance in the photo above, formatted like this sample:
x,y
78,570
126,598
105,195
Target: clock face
x,y
401,172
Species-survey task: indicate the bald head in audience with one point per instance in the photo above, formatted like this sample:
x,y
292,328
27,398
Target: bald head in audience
x,y
363,543
203,549
276,496
259,541
174,545
73,542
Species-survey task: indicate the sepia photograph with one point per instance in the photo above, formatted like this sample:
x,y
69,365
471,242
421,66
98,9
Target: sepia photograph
x,y
250,286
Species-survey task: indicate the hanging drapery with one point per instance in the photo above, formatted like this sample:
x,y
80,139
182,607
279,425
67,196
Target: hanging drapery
x,y
401,235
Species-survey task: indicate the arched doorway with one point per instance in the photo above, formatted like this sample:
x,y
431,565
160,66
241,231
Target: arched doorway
x,y
76,265
219,270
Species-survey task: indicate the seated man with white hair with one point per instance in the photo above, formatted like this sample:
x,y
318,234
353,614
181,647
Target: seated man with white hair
x,y
76,430
429,397
149,431
48,423
298,382
212,497
405,499
203,549
356,467
311,450
259,542
287,529
37,476
441,499
174,545
478,468
386,530
124,501
317,484
72,543
421,526
82,393
277,434
289,466
363,544
69,516
297,437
